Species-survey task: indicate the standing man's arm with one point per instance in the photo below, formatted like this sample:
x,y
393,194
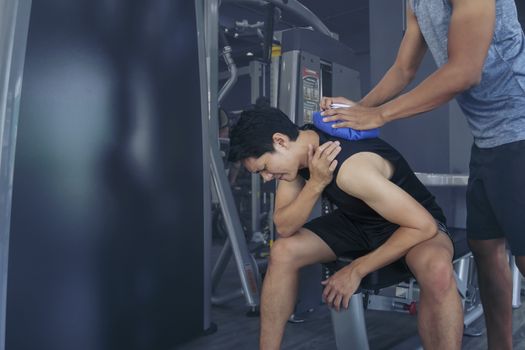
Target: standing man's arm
x,y
411,52
409,57
470,34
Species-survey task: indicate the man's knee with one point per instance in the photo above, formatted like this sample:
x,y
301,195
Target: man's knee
x,y
284,251
436,277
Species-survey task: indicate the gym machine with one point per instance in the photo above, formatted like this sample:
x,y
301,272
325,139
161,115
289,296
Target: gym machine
x,y
312,64
260,75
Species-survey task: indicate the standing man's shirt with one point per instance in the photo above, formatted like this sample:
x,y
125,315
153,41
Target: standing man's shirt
x,y
495,109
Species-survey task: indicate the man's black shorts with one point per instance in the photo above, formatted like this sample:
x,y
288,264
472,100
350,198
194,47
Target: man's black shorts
x,y
346,238
496,195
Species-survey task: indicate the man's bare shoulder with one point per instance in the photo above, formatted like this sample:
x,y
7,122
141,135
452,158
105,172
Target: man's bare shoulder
x,y
361,170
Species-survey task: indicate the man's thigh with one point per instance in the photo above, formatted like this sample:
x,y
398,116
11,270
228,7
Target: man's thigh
x,y
304,248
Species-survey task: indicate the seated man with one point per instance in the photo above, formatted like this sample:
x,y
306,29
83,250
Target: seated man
x,y
382,209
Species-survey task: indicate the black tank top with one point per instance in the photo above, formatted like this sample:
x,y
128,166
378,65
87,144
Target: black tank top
x,y
357,210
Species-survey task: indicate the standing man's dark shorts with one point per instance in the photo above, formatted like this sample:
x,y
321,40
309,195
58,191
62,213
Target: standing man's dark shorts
x,y
496,195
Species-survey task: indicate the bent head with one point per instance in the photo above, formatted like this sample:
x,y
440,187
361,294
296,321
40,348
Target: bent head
x,y
264,140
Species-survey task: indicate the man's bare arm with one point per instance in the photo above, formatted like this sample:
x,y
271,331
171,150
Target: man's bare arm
x,y
470,34
365,176
294,202
409,57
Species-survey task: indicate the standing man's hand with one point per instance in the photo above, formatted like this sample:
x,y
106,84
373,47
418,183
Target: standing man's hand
x,y
356,117
322,162
326,102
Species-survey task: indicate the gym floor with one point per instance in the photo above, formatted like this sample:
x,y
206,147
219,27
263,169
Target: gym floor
x,y
386,330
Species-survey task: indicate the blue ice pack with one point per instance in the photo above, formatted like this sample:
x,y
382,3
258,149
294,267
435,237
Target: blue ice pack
x,y
344,133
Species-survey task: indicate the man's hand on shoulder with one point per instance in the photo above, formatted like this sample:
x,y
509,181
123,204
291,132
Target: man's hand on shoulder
x,y
322,163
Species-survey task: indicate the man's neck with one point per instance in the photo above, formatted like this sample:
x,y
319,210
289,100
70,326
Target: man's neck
x,y
305,138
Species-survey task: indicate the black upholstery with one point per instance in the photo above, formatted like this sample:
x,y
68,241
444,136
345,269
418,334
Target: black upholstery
x,y
459,236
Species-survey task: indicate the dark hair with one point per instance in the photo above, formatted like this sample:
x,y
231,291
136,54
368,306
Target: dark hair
x,y
252,136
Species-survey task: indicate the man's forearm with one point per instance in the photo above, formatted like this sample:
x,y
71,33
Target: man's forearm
x,y
394,81
291,218
439,88
394,248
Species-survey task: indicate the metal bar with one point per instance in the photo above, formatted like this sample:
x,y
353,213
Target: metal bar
x,y
232,68
14,25
221,264
241,71
201,29
274,80
256,75
248,270
461,269
349,325
294,7
473,315
429,179
516,283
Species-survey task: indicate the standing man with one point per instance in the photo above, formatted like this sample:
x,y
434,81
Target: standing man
x,y
479,47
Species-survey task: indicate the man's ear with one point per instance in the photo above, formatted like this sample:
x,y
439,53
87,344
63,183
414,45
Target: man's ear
x,y
280,140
